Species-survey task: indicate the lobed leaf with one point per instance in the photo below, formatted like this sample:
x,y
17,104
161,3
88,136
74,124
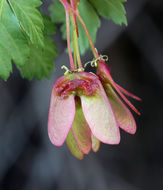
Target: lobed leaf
x,y
111,9
32,59
13,44
30,19
40,61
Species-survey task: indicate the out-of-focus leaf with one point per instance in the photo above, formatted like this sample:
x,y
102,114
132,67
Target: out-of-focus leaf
x,y
57,12
92,23
111,9
49,27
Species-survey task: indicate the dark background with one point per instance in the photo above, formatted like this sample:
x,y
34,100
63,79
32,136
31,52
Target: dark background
x,y
28,161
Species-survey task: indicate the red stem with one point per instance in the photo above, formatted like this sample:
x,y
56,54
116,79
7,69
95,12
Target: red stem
x,y
88,35
128,93
68,41
76,23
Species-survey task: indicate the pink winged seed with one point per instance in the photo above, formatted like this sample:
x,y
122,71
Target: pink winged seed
x,y
81,131
95,143
73,146
103,68
61,116
100,117
123,115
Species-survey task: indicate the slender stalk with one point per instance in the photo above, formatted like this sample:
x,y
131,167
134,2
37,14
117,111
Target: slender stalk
x,y
75,42
77,50
69,7
87,33
68,41
76,24
75,57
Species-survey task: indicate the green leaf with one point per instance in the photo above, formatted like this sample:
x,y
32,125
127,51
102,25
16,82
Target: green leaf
x,y
49,27
57,12
5,64
32,60
29,19
13,44
40,62
92,23
89,16
111,9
